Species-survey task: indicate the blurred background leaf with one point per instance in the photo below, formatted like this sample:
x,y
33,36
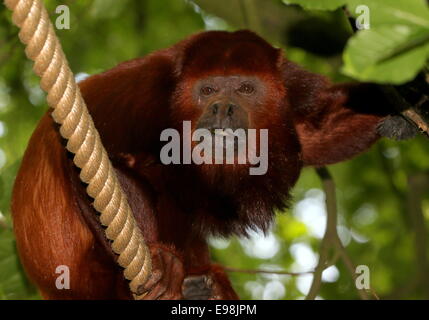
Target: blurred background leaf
x,y
396,45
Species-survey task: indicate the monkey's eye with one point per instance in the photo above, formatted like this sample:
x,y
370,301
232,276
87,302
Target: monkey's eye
x,y
206,90
246,88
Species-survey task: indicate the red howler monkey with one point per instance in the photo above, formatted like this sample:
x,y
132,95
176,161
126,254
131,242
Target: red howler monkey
x,y
216,80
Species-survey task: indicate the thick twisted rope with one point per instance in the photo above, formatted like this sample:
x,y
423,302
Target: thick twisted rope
x,y
76,126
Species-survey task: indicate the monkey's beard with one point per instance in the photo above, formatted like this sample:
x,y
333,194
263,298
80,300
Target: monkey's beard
x,y
224,199
225,171
250,201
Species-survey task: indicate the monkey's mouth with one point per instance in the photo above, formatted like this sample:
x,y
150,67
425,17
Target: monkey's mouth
x,y
226,131
224,139
221,132
222,146
240,148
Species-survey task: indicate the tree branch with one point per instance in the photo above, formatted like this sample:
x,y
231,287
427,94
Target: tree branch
x,y
405,109
331,240
255,271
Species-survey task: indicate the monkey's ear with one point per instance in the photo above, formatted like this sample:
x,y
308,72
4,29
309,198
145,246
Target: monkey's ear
x,y
333,122
179,59
281,60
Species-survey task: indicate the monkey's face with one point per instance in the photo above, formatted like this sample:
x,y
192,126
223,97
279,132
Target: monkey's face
x,y
227,102
231,121
228,106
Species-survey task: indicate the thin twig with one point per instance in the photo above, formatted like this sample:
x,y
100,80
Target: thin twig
x,y
404,108
321,266
255,271
331,240
326,244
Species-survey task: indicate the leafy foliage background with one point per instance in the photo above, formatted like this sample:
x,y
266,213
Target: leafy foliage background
x,y
383,194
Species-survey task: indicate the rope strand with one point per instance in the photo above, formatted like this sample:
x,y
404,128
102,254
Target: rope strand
x,y
76,126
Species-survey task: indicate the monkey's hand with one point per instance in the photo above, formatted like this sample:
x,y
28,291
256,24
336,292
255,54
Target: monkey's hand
x,y
165,282
214,285
396,127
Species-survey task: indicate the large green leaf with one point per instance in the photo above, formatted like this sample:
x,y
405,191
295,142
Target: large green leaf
x,y
415,12
394,49
317,4
381,11
387,54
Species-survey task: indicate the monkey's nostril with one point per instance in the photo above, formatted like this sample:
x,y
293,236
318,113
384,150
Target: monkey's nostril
x,y
215,108
230,110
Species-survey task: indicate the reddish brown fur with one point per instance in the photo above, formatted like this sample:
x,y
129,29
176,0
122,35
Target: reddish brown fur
x,y
310,123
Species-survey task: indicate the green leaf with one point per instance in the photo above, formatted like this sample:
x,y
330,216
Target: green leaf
x,y
381,11
414,12
387,54
13,283
317,4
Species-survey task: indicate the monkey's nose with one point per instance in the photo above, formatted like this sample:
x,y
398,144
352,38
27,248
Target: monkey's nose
x,y
230,109
223,109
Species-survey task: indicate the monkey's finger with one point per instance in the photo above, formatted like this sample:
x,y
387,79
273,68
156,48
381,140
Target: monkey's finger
x,y
157,273
176,274
158,292
166,283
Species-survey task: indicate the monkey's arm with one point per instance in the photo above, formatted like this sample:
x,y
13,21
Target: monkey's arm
x,y
337,122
